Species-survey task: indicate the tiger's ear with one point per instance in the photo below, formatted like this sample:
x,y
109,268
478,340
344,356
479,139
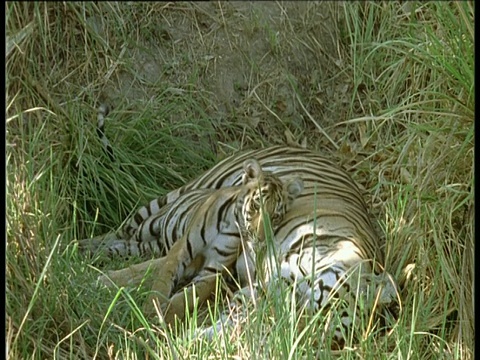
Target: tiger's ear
x,y
294,187
252,170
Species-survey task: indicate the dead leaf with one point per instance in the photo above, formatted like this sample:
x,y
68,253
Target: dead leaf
x,y
405,176
362,129
290,139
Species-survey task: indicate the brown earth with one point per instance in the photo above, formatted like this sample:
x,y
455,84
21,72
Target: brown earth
x,y
275,68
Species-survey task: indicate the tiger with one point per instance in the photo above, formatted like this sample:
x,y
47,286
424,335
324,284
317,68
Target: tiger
x,y
243,208
327,246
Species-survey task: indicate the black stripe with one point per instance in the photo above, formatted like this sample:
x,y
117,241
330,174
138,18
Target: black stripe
x,y
107,147
162,247
138,217
224,211
161,201
221,252
211,269
151,230
189,249
202,232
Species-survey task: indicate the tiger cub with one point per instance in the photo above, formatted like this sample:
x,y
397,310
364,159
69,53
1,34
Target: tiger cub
x,y
214,226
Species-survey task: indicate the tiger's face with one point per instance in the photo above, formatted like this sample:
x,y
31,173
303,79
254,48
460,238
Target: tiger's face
x,y
269,197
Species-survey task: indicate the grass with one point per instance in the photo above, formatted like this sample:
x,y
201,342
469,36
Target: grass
x,y
390,84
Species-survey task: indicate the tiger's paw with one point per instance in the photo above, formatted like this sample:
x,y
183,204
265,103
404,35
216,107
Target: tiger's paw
x,y
173,310
156,306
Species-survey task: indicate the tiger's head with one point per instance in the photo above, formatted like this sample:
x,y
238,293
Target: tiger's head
x,y
267,195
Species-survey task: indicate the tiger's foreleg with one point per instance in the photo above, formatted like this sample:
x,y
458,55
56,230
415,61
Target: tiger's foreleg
x,y
175,264
197,293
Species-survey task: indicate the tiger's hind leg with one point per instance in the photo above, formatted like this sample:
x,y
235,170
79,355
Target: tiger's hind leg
x,y
133,275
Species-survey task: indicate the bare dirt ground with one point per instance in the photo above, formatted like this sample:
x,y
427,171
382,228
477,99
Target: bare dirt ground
x,y
268,66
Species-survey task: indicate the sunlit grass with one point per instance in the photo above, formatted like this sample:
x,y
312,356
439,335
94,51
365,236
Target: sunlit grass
x,y
404,127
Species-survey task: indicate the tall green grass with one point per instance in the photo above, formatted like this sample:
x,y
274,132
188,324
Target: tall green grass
x,y
407,121
418,76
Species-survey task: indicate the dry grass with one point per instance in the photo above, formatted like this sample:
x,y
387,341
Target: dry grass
x,y
385,88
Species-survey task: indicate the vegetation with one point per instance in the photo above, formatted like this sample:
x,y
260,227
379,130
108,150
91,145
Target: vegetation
x,y
386,88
